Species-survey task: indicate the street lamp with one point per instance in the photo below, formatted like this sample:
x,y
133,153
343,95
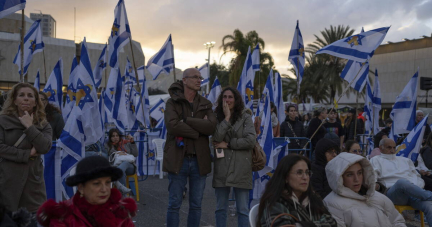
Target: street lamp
x,y
208,46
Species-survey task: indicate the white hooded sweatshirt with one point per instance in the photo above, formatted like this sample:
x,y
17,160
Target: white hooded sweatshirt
x,y
351,209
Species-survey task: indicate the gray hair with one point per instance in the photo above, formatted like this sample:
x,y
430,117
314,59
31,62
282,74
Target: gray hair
x,y
383,141
419,111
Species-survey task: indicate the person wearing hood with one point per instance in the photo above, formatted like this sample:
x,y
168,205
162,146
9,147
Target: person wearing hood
x,y
325,151
353,201
404,183
292,127
288,199
189,120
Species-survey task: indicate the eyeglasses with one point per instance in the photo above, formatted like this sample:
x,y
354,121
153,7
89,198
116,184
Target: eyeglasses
x,y
299,173
358,151
195,77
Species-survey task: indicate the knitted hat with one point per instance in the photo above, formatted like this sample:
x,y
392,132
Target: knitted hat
x,y
93,167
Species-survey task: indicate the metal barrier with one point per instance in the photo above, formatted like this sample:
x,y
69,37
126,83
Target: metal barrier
x,y
280,140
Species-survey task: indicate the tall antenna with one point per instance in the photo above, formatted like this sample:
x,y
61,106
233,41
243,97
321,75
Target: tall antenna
x,y
74,23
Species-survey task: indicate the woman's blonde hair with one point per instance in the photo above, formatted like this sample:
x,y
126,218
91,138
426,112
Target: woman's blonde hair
x,y
9,107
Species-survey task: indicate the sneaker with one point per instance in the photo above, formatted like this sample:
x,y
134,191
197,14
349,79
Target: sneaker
x,y
123,189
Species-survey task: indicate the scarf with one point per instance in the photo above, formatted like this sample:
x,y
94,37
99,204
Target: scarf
x,y
119,146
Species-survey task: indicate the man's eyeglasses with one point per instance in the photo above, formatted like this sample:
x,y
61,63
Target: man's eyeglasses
x,y
195,77
299,173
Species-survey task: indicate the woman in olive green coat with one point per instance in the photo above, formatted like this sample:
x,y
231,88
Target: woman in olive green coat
x,y
21,171
233,139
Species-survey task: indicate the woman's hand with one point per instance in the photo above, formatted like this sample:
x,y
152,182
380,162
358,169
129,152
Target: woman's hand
x,y
226,111
122,153
26,119
130,138
222,145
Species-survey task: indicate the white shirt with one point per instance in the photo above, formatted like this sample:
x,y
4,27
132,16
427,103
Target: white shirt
x,y
391,168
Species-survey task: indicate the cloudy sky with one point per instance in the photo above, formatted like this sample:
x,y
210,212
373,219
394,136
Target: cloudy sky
x,y
194,22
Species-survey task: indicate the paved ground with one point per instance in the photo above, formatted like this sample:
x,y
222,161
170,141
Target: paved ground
x,y
154,201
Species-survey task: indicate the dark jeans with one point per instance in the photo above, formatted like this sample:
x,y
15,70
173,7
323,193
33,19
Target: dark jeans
x,y
176,187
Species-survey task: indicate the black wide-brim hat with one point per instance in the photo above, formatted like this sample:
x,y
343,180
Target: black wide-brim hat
x,y
93,167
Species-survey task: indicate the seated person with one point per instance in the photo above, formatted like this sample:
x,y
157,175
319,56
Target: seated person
x,y
353,147
325,151
424,163
404,183
288,192
354,201
125,146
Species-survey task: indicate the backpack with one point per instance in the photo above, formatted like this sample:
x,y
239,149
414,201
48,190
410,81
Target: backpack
x,y
259,158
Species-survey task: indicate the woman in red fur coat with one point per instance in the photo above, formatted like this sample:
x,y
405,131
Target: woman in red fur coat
x,y
95,202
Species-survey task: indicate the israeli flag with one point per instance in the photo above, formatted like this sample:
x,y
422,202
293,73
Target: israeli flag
x,y
131,103
33,44
355,73
71,91
158,110
204,70
278,98
256,59
265,138
143,115
376,102
297,54
162,61
370,146
358,47
100,67
245,85
37,81
11,6
368,109
267,93
411,145
404,109
120,34
163,132
129,74
53,87
114,100
215,92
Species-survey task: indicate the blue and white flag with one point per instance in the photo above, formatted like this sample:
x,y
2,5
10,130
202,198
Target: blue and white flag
x,y
256,59
33,44
370,141
143,113
132,98
267,93
215,91
163,60
37,81
100,67
158,110
53,87
246,83
114,100
297,54
120,34
358,47
265,138
278,98
376,103
411,145
404,109
71,92
11,6
355,73
163,132
204,70
368,112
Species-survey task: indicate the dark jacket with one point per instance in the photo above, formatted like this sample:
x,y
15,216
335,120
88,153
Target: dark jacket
x,y
426,153
57,124
78,212
319,179
313,126
350,129
297,126
22,181
183,121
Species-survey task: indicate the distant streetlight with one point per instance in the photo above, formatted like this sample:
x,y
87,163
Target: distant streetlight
x,y
208,46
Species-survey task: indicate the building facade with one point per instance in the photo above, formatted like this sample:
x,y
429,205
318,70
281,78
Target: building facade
x,y
48,24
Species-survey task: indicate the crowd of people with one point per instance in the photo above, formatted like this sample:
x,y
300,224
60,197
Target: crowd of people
x,y
338,186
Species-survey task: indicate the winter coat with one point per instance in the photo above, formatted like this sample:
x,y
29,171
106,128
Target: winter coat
x,y
22,181
313,126
184,121
352,128
291,205
351,209
77,212
319,179
57,124
235,168
297,126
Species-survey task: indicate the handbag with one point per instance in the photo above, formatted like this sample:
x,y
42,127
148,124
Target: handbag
x,y
116,158
284,214
258,158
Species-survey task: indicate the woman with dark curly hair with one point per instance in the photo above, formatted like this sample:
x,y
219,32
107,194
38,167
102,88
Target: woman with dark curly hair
x,y
233,140
53,116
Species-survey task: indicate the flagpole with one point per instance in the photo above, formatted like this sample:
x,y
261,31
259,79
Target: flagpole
x,y
174,64
136,75
22,46
45,71
355,117
298,79
343,93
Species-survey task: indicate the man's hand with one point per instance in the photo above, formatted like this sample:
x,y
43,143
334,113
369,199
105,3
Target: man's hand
x,y
222,145
205,117
424,173
33,152
377,187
